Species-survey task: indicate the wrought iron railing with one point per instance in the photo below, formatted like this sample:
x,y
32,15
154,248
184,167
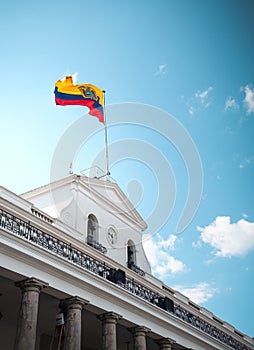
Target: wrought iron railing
x,y
136,269
207,328
66,251
97,246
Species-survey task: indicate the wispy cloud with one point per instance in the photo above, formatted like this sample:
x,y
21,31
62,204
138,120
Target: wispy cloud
x,y
168,243
231,104
228,239
200,100
242,119
162,262
246,162
203,95
162,69
248,101
198,293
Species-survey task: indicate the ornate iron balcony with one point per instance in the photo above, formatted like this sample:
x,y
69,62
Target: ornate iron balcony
x,y
97,246
30,233
136,269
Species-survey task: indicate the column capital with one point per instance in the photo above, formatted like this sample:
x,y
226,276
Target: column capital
x,y
139,330
165,343
31,285
109,317
74,302
109,323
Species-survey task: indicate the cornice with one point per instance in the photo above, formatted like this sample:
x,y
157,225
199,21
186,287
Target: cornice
x,y
88,186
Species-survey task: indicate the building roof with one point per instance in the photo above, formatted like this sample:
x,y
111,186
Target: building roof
x,y
34,241
106,192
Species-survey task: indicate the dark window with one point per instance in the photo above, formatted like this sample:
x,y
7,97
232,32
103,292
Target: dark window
x,y
92,229
131,254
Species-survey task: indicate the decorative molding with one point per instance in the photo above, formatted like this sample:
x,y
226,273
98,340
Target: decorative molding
x,y
41,215
64,250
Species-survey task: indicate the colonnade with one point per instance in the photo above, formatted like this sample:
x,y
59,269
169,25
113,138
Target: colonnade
x,y
28,315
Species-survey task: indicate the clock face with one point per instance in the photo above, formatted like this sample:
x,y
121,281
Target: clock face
x,y
112,235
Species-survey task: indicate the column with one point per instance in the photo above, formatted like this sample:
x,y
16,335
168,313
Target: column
x,y
165,343
72,338
27,322
139,337
109,321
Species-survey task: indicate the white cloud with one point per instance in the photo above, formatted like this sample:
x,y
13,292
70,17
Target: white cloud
x,y
168,243
162,69
191,110
203,95
199,293
200,101
163,264
231,104
249,99
246,162
228,239
197,244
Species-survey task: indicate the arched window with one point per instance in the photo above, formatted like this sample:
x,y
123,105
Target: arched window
x,y
131,254
92,229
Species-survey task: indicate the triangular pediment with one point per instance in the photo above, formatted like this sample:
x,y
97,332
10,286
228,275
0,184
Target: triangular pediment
x,y
106,194
117,202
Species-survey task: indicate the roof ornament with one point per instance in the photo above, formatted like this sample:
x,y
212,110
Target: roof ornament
x,y
70,169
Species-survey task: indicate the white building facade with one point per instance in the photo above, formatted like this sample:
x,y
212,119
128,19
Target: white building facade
x,y
74,275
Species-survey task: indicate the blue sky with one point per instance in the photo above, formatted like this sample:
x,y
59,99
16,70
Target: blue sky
x,y
191,59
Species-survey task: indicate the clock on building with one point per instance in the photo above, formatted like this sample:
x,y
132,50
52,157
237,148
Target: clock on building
x,y
112,235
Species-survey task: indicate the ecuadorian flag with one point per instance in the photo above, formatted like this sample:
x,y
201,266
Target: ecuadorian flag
x,y
83,94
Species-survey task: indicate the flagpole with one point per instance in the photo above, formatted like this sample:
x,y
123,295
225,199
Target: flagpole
x,y
105,136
